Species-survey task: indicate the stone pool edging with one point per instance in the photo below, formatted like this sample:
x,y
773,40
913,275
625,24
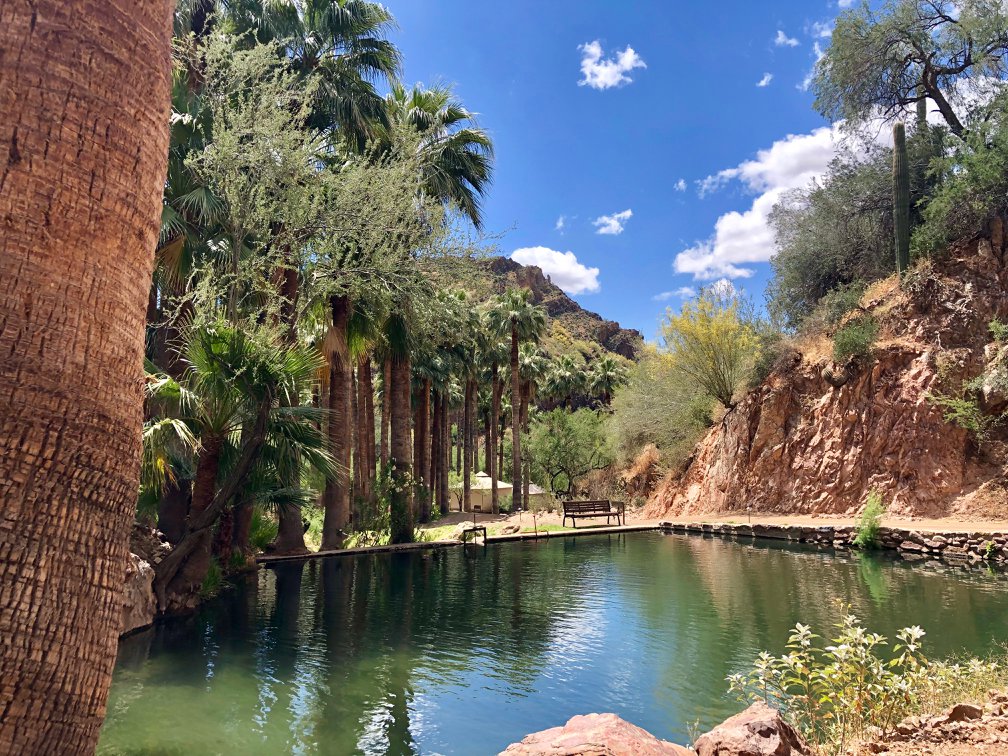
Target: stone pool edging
x,y
971,547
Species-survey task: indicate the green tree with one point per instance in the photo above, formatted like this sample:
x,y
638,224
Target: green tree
x,y
515,314
886,59
712,342
565,446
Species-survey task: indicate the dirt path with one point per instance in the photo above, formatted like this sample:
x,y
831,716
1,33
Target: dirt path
x,y
554,520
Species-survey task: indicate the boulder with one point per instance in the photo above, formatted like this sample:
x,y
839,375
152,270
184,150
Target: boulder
x,y
595,735
509,529
757,731
138,603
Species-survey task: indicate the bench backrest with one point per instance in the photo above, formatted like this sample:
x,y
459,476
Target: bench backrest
x,y
586,507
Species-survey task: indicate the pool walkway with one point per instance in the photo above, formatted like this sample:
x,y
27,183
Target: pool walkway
x,y
421,545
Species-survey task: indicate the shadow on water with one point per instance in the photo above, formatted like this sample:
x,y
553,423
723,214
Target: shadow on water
x,y
461,651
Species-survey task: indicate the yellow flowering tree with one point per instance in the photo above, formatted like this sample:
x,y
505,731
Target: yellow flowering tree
x,y
712,341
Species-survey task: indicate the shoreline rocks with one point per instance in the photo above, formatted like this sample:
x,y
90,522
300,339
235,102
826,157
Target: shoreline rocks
x,y
958,547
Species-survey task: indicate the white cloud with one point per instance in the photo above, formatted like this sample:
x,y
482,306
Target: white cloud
x,y
604,73
743,238
817,53
563,268
612,224
680,185
845,3
683,292
783,40
822,29
765,81
561,223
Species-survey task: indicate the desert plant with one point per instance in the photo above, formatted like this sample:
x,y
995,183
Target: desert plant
x,y
998,331
965,411
855,339
870,522
840,693
901,198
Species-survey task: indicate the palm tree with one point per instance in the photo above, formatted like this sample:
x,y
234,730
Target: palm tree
x,y
514,313
606,375
80,209
340,46
232,379
401,515
566,380
495,353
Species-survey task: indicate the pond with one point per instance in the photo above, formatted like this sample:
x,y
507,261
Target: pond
x,y
463,652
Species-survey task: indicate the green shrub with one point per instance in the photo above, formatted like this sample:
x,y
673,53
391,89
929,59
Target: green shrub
x,y
965,411
213,581
870,522
263,530
998,331
832,307
851,688
855,339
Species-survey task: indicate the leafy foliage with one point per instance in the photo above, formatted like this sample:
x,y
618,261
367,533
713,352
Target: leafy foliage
x,y
712,342
870,522
840,693
855,339
564,446
658,405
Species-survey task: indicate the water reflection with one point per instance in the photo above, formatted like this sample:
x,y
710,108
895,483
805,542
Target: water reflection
x,y
453,651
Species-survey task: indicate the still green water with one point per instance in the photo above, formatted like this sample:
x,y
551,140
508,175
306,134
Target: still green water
x,y
464,652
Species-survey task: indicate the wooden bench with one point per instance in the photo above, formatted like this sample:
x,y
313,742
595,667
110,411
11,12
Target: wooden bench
x,y
607,509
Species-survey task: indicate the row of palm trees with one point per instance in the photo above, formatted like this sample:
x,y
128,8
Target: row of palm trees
x,y
303,344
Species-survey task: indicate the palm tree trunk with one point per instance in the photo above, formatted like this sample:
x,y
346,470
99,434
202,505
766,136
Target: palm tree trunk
x,y
467,451
493,469
355,444
433,450
516,471
81,178
367,391
422,434
336,497
458,441
386,411
445,455
401,497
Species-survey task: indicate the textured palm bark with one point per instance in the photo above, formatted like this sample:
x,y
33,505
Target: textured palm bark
x,y
445,500
368,420
434,449
421,433
336,497
492,466
467,422
83,148
516,469
400,453
386,411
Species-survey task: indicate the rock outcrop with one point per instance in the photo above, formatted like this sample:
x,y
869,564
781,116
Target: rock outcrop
x,y
806,442
583,324
757,731
595,735
138,604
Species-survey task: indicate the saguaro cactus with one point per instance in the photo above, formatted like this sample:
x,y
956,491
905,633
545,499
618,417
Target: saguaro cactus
x,y
901,198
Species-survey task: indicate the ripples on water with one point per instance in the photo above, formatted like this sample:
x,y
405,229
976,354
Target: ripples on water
x,y
463,652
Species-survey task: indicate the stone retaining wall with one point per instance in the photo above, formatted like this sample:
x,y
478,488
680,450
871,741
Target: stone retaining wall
x,y
954,547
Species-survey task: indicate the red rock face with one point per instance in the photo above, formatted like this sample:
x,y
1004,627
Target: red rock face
x,y
801,444
595,735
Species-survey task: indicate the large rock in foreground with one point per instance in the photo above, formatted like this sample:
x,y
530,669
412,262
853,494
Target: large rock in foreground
x,y
757,731
595,735
138,604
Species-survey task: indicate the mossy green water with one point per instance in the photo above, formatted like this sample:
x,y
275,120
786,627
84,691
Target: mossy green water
x,y
464,651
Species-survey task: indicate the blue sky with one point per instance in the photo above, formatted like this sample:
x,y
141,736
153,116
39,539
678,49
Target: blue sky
x,y
662,160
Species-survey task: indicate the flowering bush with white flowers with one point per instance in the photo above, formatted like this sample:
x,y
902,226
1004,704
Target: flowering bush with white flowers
x,y
855,687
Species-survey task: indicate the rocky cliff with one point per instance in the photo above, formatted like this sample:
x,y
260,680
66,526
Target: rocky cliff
x,y
504,273
817,437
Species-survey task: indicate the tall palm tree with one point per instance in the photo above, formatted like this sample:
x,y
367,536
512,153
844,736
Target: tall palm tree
x,y
80,207
456,156
606,375
515,314
340,46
